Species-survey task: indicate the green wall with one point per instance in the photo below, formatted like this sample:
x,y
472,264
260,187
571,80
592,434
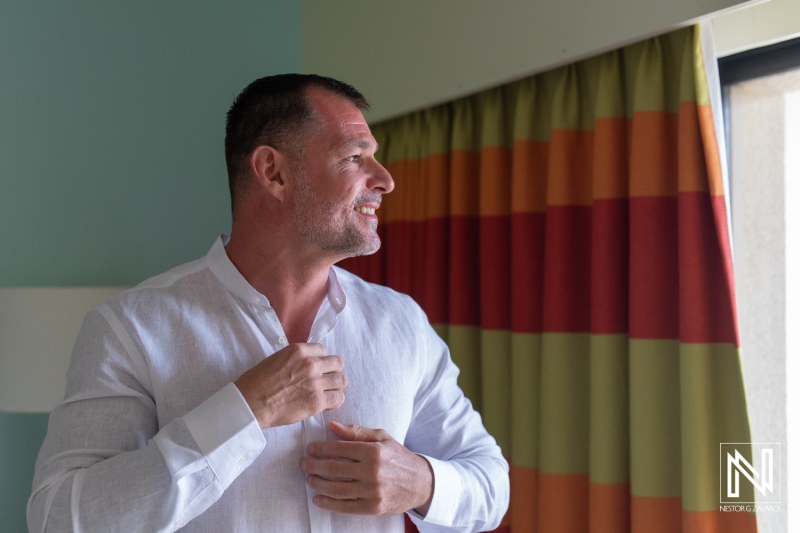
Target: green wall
x,y
112,126
112,165
21,436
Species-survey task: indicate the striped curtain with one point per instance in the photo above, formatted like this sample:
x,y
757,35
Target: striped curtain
x,y
567,236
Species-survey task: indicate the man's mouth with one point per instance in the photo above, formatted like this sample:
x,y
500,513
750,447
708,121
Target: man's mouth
x,y
365,210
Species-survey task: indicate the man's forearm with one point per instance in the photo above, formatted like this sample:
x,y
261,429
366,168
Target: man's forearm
x,y
155,488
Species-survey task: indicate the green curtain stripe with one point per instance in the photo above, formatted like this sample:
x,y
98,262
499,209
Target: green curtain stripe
x,y
495,392
466,130
650,411
649,91
688,77
610,101
608,403
567,105
655,426
654,75
465,349
564,415
497,112
712,411
526,358
531,112
701,89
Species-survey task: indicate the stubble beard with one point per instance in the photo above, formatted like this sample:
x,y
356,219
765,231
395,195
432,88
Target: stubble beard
x,y
327,225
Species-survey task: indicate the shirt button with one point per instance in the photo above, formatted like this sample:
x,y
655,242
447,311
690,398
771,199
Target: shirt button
x,y
338,301
241,461
281,340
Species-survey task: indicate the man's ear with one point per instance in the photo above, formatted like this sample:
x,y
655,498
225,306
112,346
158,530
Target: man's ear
x,y
270,168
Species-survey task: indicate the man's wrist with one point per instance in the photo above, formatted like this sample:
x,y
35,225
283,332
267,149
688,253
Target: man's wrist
x,y
427,483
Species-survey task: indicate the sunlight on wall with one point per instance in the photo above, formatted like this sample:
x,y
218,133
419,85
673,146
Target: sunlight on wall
x,y
792,200
765,170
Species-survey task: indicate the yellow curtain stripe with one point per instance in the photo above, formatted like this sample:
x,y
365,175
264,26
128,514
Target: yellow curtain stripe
x,y
609,432
465,349
564,416
655,434
495,392
712,401
526,358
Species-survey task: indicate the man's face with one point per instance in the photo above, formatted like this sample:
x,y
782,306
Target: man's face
x,y
338,182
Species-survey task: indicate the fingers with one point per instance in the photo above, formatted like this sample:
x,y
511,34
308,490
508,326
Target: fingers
x,y
333,381
378,475
339,449
292,384
354,432
343,506
331,468
333,399
331,363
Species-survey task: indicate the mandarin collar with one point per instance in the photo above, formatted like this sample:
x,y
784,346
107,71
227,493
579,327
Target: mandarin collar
x,y
222,267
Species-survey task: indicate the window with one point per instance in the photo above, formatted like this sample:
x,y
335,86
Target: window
x,y
761,98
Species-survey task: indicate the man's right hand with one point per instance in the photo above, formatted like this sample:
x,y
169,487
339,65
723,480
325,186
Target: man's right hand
x,y
293,384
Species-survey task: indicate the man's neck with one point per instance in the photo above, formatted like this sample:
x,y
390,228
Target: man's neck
x,y
295,284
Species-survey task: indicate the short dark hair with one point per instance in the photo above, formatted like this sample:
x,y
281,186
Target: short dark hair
x,y
274,111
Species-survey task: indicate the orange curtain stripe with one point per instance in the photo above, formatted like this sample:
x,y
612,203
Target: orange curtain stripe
x,y
656,515
464,199
529,176
718,522
569,177
609,507
495,181
653,160
524,497
712,157
610,165
563,503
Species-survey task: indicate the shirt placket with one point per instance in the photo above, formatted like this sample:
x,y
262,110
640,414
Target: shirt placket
x,y
314,427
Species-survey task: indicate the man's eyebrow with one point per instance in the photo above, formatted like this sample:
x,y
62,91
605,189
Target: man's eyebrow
x,y
360,143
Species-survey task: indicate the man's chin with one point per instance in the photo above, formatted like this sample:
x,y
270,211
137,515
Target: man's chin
x,y
367,248
366,251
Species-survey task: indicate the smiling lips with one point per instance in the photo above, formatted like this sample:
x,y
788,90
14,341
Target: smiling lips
x,y
365,210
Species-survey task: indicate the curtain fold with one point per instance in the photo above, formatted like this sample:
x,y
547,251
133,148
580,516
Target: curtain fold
x,y
567,236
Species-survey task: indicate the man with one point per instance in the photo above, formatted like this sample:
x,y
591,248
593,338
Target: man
x,y
260,388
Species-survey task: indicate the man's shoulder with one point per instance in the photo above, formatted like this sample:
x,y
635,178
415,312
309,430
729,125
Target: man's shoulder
x,y
165,286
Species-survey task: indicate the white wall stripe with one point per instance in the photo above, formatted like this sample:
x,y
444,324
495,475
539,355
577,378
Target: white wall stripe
x,y
38,327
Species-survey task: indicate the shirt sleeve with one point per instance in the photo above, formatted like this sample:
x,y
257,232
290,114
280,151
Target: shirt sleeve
x,y
106,466
471,483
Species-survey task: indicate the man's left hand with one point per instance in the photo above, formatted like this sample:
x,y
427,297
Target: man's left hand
x,y
368,472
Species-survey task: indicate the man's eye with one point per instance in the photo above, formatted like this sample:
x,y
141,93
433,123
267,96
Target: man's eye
x,y
352,158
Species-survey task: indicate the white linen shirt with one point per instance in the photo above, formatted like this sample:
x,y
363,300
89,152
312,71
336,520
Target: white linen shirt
x,y
153,435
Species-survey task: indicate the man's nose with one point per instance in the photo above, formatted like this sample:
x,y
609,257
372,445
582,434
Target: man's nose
x,y
381,180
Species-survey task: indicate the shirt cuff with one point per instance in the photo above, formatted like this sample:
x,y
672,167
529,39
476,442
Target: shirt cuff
x,y
227,433
446,493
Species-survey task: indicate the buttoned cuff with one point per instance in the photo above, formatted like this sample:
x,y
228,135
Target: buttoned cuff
x,y
227,433
446,493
